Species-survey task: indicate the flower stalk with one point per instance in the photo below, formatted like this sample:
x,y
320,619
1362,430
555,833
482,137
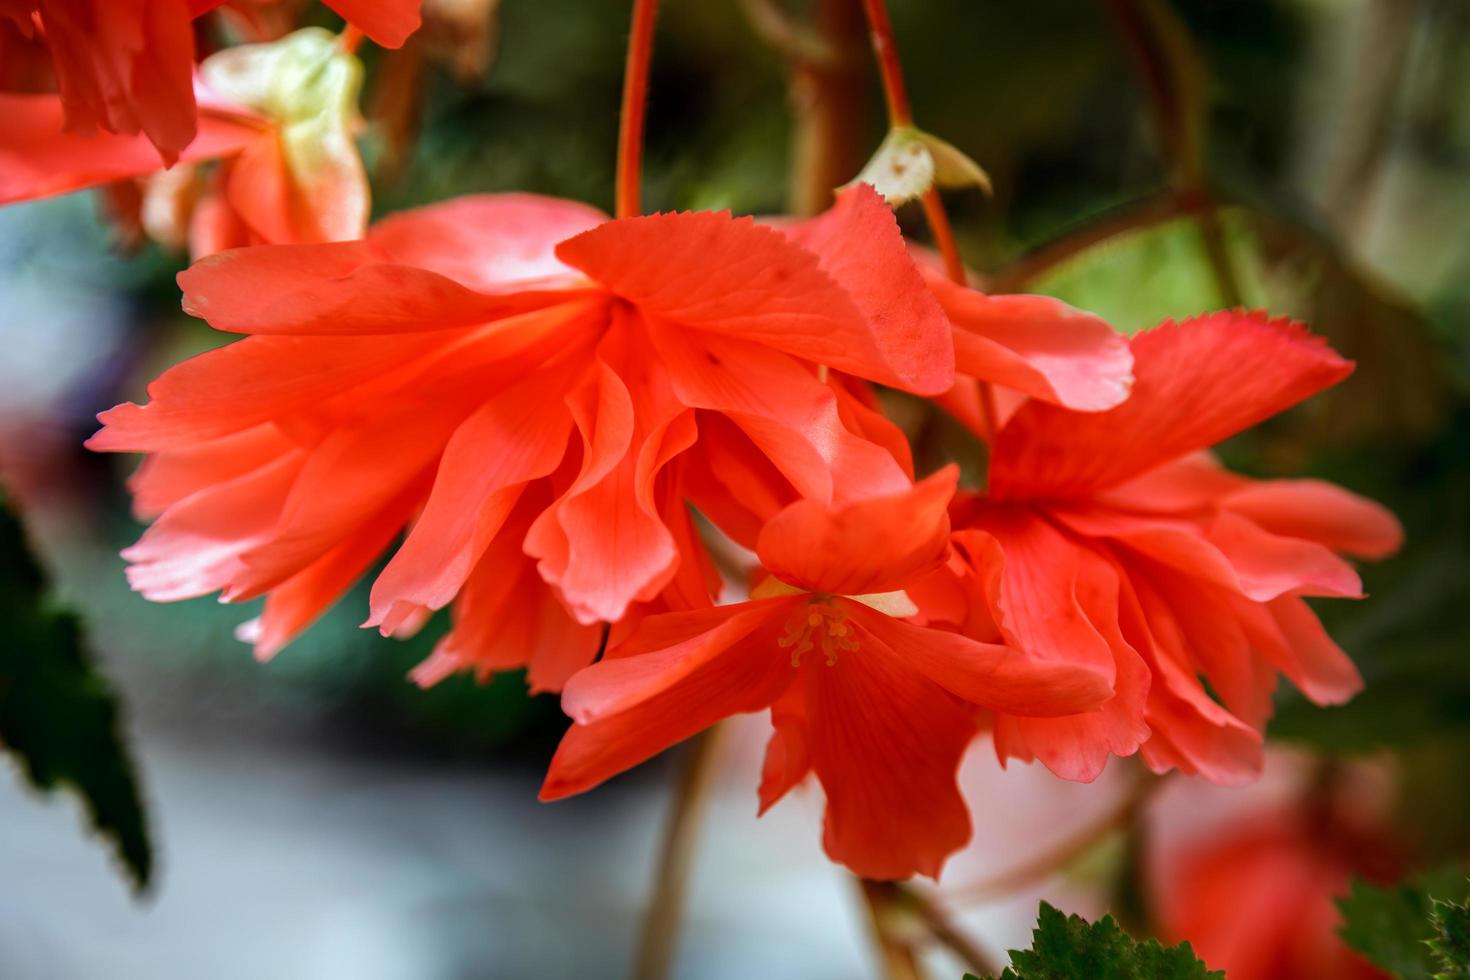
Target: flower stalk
x,y
901,114
634,110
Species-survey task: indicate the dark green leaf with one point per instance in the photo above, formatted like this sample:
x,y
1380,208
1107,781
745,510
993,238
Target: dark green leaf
x,y
1065,947
1392,926
1451,942
58,715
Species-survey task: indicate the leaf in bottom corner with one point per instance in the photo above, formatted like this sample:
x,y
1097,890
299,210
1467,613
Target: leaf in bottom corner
x,y
1068,946
1394,926
59,717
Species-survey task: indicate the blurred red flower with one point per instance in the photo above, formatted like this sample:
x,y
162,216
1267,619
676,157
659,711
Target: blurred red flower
x,y
279,117
127,66
1260,901
1111,540
879,709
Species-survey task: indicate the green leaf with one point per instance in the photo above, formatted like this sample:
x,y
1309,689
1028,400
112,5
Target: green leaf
x,y
1452,939
1393,926
1066,947
58,716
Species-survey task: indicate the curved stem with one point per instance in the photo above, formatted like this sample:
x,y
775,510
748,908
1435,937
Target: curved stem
x,y
350,39
895,93
901,113
898,958
634,109
936,920
656,943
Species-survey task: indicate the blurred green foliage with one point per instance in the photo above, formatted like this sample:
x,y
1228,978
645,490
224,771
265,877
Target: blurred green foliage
x,y
1408,929
59,718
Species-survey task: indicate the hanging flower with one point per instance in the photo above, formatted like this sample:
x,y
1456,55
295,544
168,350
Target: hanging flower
x,y
1112,540
471,353
126,66
879,709
279,117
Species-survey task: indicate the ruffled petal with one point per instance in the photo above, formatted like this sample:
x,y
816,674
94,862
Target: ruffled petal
x,y
513,438
125,66
1036,345
297,602
195,547
791,416
733,277
858,243
603,544
874,545
721,662
1195,383
1318,511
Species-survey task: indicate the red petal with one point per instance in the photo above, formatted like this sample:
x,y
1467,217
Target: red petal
x,y
788,760
858,243
886,742
126,66
1321,512
507,617
604,543
39,159
1308,656
991,676
487,241
716,671
194,548
514,437
296,603
388,22
1269,565
1196,383
874,545
733,277
790,415
339,288
1036,345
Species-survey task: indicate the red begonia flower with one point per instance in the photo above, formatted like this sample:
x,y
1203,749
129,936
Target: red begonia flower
x,y
1112,540
1260,903
279,117
879,709
467,354
126,66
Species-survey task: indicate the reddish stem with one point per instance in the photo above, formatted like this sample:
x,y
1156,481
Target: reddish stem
x,y
350,39
895,93
901,113
635,109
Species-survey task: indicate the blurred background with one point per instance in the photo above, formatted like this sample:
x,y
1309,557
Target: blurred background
x,y
320,817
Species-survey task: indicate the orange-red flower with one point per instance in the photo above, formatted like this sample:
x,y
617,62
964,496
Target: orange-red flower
x,y
126,66
468,356
879,709
1110,539
278,116
1259,902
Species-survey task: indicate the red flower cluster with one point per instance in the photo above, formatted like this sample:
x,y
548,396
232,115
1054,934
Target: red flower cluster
x,y
526,404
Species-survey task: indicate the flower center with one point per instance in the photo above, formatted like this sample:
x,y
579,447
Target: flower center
x,y
830,626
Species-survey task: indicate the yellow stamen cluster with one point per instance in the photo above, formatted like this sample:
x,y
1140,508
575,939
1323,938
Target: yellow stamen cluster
x,y
823,617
